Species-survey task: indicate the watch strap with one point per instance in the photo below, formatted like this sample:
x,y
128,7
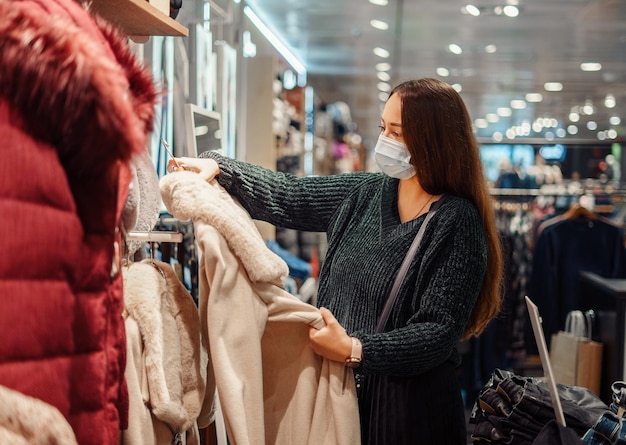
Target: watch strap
x,y
356,354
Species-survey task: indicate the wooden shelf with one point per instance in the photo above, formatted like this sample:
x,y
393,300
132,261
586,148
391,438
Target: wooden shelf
x,y
138,18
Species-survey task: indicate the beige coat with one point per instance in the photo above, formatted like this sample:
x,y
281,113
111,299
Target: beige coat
x,y
166,366
273,388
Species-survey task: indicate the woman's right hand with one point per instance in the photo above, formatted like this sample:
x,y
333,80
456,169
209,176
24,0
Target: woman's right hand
x,y
207,168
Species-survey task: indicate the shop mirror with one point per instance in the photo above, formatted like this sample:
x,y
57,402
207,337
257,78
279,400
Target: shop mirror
x,y
204,130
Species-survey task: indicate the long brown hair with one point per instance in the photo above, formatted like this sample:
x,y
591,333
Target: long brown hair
x,y
438,133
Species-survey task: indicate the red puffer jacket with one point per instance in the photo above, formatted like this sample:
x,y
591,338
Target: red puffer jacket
x,y
74,107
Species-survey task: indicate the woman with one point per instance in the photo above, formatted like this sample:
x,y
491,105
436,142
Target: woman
x,y
452,288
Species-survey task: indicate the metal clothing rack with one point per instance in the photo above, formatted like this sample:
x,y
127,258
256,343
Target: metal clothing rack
x,y
155,236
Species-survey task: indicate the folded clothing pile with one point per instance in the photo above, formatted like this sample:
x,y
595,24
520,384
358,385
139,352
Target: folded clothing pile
x,y
512,409
610,428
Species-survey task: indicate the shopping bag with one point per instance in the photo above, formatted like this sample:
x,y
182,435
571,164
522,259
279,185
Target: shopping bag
x,y
589,369
576,359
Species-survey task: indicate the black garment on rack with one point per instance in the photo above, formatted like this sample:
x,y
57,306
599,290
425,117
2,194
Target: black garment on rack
x,y
564,249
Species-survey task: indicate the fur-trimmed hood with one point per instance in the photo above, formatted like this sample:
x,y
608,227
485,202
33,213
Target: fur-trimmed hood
x,y
74,83
187,195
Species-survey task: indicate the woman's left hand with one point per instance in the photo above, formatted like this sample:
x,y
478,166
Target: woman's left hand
x,y
332,341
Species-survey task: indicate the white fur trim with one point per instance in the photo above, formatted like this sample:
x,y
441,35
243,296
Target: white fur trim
x,y
187,196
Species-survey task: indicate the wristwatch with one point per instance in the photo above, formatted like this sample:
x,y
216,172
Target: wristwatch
x,y
354,361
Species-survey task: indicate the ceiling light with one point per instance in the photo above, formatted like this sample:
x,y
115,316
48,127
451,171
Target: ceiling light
x,y
510,11
384,76
492,118
601,135
443,72
383,86
278,44
504,111
518,104
612,134
471,10
457,87
574,117
560,132
591,66
588,108
381,52
481,123
609,101
383,66
379,24
454,48
553,86
379,2
615,120
490,49
382,96
497,136
592,125
534,97
572,129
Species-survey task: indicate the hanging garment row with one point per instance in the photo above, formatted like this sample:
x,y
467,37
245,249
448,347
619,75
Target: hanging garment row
x,y
544,264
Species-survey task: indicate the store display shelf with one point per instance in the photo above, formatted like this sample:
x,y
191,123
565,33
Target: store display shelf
x,y
138,18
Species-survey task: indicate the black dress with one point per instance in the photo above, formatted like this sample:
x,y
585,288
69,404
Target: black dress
x,y
421,410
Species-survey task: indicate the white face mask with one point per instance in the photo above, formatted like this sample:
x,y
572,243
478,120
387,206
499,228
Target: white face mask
x,y
393,158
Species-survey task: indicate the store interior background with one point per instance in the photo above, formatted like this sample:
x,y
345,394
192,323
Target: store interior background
x,y
300,86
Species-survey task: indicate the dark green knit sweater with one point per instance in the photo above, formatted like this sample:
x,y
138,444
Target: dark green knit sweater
x,y
366,245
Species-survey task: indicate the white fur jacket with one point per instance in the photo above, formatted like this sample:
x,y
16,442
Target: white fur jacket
x,y
272,387
167,362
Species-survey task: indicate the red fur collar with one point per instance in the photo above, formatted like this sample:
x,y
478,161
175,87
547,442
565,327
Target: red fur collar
x,y
81,92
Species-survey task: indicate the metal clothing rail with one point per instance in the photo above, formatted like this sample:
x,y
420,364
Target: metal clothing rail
x,y
155,236
560,190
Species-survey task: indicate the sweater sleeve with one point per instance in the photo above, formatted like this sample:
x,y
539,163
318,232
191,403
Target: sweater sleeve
x,y
436,298
284,199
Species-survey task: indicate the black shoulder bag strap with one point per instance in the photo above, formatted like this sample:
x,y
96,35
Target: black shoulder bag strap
x,y
393,295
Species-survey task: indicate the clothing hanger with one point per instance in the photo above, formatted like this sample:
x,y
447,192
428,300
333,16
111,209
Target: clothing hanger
x,y
577,210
